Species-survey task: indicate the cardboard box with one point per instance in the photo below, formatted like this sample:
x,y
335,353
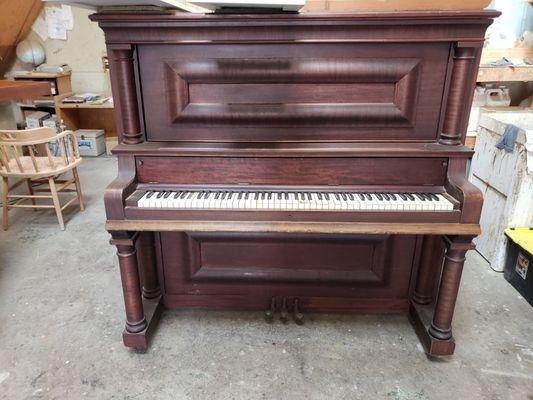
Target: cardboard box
x,y
392,5
91,142
51,123
35,119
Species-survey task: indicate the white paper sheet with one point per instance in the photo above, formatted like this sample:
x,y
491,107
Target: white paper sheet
x,y
67,16
57,22
39,27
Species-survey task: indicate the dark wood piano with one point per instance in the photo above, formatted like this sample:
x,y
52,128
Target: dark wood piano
x,y
294,163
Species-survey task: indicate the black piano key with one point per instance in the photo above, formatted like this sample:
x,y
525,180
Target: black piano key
x,y
426,196
160,194
344,197
150,194
386,196
351,196
280,195
223,195
410,196
319,195
392,196
337,196
166,195
326,195
256,197
432,197
420,197
297,196
403,196
246,196
230,195
379,196
217,195
309,197
368,196
361,196
239,197
199,196
183,195
270,195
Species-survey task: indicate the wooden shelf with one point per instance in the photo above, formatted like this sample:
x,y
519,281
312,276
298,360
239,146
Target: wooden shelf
x,y
38,75
84,105
13,90
506,74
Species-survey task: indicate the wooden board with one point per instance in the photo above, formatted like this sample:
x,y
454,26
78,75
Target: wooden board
x,y
13,90
16,20
392,5
506,74
294,227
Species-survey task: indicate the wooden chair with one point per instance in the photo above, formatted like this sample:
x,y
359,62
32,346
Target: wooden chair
x,y
37,157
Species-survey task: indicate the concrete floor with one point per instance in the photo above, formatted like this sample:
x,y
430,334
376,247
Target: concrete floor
x,y
61,316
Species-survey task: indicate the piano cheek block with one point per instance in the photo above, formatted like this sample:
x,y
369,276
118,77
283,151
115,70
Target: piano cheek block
x,y
305,104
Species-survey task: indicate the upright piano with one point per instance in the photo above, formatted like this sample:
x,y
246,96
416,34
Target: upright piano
x,y
293,163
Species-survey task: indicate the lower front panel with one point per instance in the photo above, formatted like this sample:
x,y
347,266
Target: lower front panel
x,y
367,273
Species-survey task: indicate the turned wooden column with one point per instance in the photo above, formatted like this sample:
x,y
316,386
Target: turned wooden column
x,y
430,263
441,326
131,286
461,89
147,263
122,65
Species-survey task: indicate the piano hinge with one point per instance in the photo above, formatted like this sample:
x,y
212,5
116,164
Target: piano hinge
x,y
285,305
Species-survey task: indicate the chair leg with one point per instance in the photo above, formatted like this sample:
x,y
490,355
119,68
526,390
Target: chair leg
x,y
57,205
78,188
5,203
30,189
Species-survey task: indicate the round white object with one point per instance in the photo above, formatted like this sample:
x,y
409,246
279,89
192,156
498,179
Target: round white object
x,y
30,52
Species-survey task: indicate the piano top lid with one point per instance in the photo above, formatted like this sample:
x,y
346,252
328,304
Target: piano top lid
x,y
169,17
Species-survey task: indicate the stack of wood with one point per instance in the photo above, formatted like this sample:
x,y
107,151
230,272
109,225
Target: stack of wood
x,y
392,5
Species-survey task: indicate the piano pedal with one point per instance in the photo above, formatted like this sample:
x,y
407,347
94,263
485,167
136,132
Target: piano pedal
x,y
284,315
296,314
269,313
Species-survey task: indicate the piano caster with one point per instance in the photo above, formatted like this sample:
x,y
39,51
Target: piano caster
x,y
297,315
269,313
284,315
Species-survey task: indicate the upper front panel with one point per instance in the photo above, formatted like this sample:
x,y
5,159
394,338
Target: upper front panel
x,y
293,92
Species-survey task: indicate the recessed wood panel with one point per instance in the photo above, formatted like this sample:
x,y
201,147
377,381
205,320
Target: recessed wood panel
x,y
292,171
258,265
293,92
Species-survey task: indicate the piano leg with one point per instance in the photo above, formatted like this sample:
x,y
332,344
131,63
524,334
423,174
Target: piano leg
x,y
434,324
430,267
141,314
147,265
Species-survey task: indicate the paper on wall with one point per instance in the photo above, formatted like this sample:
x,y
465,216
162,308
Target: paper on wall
x,y
58,21
67,16
39,27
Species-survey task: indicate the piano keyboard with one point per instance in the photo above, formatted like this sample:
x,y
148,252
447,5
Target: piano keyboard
x,y
295,201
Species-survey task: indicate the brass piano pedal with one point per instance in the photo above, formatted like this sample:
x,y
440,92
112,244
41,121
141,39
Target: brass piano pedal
x,y
297,315
269,313
284,315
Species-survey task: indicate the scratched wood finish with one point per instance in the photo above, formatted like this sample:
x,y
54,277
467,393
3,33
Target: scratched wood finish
x,y
268,265
362,101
